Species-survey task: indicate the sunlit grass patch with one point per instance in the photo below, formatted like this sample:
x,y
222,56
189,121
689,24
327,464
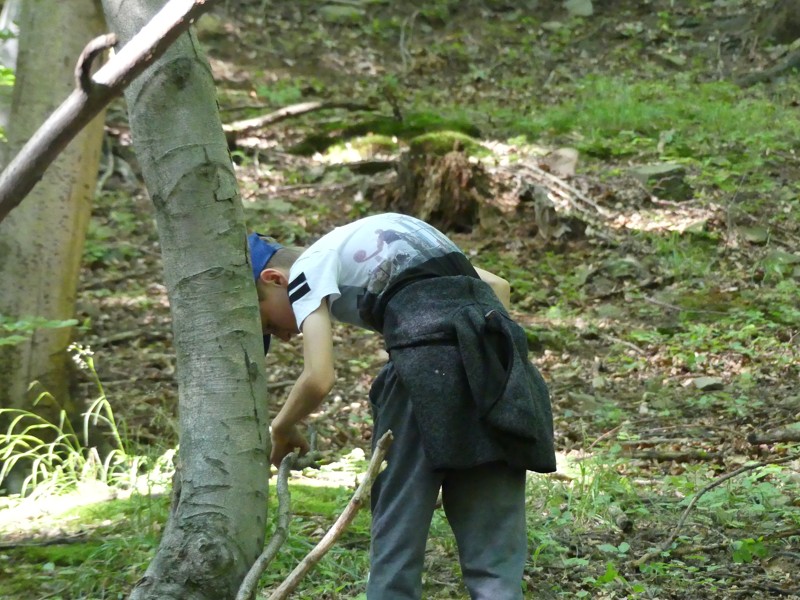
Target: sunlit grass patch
x,y
83,544
674,118
57,458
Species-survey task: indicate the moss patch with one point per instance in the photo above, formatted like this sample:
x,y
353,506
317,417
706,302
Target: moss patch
x,y
442,142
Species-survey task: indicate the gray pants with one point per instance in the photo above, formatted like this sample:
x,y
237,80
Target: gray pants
x,y
485,507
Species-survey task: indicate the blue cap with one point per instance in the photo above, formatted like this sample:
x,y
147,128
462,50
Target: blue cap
x,y
261,251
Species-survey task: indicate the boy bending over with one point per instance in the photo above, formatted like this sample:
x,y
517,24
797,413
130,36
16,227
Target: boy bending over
x,y
469,412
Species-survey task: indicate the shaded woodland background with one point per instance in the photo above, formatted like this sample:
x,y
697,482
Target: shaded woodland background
x,y
618,162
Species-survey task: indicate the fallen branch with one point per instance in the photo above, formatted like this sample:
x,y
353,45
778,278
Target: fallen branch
x,y
673,456
359,498
705,548
772,589
564,190
608,434
678,309
746,468
124,336
655,441
625,343
792,61
247,125
92,94
58,540
774,436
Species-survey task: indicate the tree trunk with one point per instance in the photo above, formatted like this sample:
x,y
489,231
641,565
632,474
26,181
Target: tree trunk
x,y
217,524
41,244
8,59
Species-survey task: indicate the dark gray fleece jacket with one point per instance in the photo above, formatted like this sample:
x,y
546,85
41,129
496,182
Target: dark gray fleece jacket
x,y
464,364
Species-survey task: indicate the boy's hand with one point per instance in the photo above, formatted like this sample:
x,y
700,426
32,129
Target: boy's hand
x,y
285,442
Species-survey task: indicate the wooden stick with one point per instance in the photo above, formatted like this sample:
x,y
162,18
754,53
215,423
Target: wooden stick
x,y
83,70
789,62
341,524
665,546
672,456
92,94
290,462
568,192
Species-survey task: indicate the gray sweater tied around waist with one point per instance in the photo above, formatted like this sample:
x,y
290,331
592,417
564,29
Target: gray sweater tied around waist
x,y
464,364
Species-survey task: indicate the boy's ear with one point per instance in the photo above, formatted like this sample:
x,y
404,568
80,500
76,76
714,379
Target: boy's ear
x,y
274,276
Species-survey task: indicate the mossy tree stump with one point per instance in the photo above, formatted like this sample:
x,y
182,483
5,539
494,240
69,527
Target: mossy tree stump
x,y
443,187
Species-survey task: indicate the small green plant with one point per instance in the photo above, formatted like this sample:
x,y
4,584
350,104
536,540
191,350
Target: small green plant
x,y
60,458
744,551
280,93
103,243
6,76
15,331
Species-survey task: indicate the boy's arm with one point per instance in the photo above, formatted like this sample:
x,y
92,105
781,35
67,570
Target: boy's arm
x,y
500,286
311,387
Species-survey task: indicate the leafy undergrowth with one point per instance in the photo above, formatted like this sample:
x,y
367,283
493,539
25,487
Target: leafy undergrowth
x,y
668,333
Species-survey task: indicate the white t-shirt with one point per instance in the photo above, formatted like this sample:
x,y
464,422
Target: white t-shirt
x,y
361,260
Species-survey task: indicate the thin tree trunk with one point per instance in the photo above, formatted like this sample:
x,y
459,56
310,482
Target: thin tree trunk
x,y
217,524
8,59
41,244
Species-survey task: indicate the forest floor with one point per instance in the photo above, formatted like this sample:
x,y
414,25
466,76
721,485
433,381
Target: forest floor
x,y
665,320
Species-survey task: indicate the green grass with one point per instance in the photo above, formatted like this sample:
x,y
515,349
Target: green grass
x,y
573,523
343,570
714,125
119,537
122,536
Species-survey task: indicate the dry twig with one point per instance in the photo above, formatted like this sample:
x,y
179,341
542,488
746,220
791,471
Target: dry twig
x,y
774,436
792,61
290,462
563,190
344,520
74,538
746,468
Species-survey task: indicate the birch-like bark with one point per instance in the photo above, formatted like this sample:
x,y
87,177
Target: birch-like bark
x,y
41,244
217,523
8,59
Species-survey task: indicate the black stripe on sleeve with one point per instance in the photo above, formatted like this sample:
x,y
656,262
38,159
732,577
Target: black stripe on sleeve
x,y
294,283
299,293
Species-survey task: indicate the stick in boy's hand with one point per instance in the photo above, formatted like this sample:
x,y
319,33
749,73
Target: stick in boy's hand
x,y
284,443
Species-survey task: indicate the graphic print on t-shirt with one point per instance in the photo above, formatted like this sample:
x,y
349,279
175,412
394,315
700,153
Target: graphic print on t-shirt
x,y
391,260
359,261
